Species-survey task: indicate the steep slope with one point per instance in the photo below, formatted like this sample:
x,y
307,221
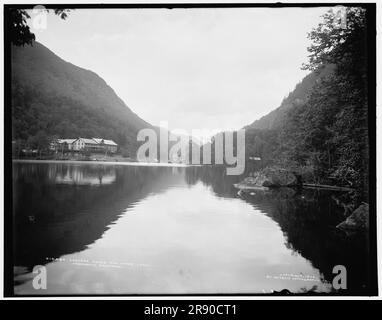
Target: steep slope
x,y
55,97
298,96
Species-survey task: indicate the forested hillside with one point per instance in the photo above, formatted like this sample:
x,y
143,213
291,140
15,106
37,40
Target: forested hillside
x,y
298,96
321,128
54,98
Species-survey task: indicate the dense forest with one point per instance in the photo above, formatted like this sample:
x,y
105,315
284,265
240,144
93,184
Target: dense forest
x,y
321,129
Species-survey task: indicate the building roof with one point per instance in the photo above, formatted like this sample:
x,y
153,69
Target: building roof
x,y
88,141
68,141
104,141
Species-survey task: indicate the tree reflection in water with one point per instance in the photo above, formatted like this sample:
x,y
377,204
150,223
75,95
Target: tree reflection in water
x,y
70,206
307,217
61,209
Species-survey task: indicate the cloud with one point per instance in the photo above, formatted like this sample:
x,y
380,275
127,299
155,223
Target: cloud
x,y
195,68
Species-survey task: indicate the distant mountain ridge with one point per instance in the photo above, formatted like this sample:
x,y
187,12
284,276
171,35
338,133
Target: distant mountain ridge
x,y
298,96
56,97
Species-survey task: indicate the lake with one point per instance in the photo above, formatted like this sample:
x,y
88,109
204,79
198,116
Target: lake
x,y
113,229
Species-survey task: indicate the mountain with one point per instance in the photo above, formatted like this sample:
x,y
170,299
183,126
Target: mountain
x,y
53,97
264,136
298,96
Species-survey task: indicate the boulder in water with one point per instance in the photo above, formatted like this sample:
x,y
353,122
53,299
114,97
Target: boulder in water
x,y
277,177
357,221
269,178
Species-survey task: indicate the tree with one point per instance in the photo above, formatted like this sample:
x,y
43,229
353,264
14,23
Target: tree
x,y
19,30
322,129
333,122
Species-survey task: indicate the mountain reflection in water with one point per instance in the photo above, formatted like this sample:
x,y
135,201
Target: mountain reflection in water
x,y
174,230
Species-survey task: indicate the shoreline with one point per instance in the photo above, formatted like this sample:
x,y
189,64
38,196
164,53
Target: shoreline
x,y
98,162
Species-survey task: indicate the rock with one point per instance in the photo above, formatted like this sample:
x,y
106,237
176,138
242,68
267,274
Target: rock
x,y
256,180
269,178
251,183
244,186
266,179
357,221
277,177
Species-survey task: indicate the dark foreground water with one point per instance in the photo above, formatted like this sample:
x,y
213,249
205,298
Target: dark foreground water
x,y
105,229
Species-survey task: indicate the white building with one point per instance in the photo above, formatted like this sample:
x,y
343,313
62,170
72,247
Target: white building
x,y
92,145
110,145
84,143
63,144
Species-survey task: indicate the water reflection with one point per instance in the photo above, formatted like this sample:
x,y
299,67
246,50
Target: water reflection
x,y
176,230
87,176
307,218
53,218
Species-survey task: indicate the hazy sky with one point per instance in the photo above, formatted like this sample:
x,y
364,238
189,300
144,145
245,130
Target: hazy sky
x,y
195,68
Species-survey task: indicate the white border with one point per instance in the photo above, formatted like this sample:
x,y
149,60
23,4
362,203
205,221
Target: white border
x,y
232,298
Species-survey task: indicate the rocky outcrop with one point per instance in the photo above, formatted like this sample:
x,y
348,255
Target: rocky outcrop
x,y
269,178
255,182
357,221
277,177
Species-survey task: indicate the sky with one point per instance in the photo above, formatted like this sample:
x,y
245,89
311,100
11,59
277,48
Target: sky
x,y
217,69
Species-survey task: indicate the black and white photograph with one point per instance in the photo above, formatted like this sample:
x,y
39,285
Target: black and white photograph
x,y
190,150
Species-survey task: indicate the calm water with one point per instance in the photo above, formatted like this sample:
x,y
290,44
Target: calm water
x,y
124,230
